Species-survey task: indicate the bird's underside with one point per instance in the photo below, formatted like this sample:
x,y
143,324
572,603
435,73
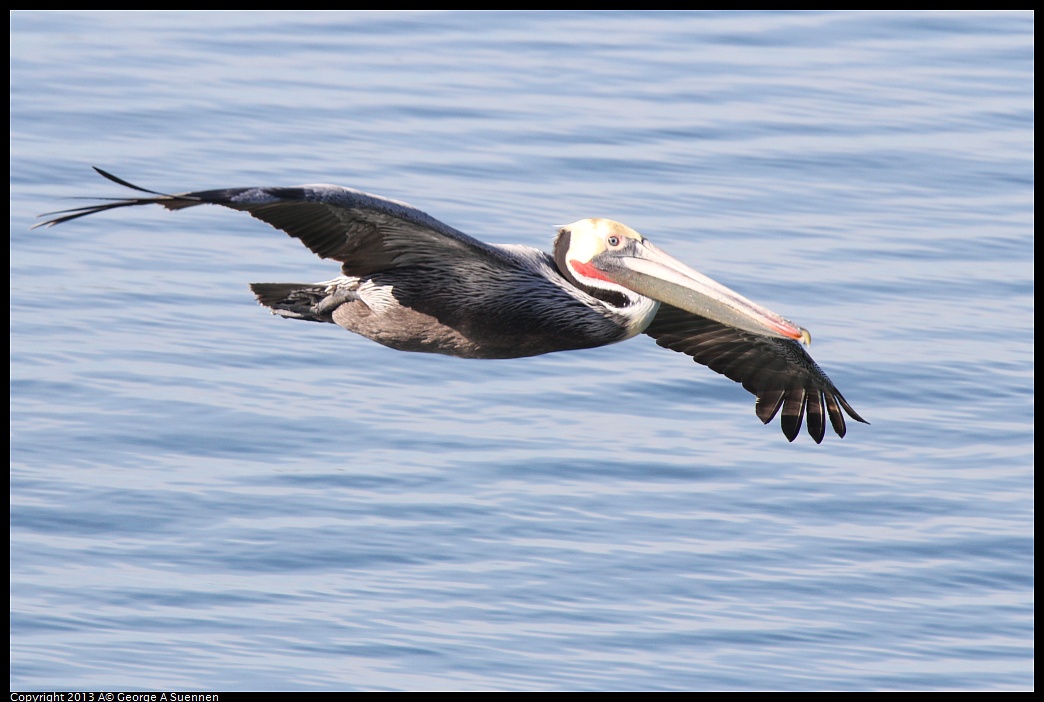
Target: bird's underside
x,y
387,308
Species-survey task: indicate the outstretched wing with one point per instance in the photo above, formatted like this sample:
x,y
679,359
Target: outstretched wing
x,y
779,372
366,233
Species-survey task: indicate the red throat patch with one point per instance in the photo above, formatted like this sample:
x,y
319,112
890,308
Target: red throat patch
x,y
587,270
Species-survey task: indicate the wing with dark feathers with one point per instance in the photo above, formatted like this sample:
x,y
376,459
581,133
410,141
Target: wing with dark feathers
x,y
779,372
366,233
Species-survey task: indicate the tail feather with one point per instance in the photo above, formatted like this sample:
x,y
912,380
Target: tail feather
x,y
293,300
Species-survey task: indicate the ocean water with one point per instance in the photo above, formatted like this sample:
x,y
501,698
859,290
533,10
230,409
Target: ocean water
x,y
204,496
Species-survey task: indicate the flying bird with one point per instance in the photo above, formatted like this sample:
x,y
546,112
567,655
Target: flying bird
x,y
412,283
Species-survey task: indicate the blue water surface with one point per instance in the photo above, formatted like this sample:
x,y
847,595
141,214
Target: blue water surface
x,y
204,496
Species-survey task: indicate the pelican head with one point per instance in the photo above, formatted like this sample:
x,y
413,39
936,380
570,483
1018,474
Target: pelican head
x,y
607,256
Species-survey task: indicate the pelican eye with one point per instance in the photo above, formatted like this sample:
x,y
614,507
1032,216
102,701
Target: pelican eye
x,y
613,240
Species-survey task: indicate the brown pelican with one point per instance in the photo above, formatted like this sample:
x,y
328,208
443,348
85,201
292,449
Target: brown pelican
x,y
412,283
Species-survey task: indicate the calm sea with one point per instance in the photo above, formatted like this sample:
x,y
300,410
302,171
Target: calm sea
x,y
204,496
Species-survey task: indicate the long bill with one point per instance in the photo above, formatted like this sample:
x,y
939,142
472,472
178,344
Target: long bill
x,y
649,271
